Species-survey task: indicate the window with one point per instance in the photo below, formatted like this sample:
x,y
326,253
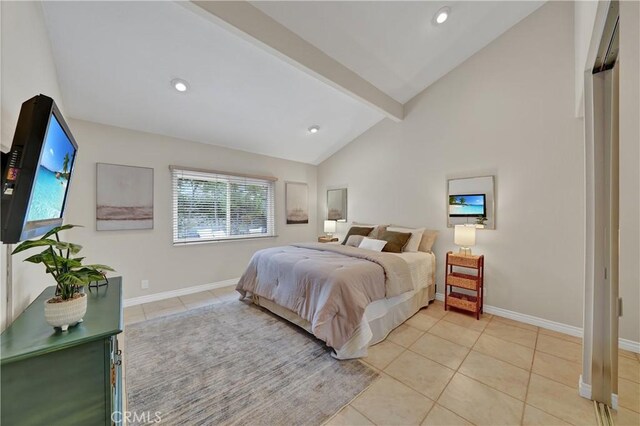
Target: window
x,y
214,206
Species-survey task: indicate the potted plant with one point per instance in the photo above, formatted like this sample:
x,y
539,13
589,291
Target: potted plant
x,y
481,220
69,304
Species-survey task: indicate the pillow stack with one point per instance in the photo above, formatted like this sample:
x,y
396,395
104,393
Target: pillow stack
x,y
399,239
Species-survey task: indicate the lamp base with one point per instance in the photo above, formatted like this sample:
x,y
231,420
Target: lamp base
x,y
329,234
465,251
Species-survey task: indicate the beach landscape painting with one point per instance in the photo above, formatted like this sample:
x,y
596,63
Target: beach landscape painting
x,y
124,197
297,202
52,177
467,205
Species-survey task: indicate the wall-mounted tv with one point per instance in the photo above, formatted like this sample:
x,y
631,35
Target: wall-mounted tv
x,y
37,173
468,205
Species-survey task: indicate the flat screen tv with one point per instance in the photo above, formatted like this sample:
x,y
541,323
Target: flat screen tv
x,y
37,173
467,205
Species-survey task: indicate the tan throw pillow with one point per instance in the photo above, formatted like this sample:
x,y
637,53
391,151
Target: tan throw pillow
x,y
428,238
395,241
357,230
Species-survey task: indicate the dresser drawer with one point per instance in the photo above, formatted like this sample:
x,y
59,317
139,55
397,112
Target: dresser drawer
x,y
467,281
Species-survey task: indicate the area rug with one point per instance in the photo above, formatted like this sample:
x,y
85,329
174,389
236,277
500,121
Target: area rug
x,y
235,363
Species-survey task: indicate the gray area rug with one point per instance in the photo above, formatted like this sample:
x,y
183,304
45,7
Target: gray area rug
x,y
235,363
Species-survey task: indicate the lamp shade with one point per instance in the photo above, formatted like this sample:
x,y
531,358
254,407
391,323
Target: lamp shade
x,y
464,236
329,226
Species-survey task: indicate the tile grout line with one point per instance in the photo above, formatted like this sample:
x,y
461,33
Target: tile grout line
x,y
514,321
452,376
214,302
457,343
352,400
526,393
409,386
546,412
562,358
358,411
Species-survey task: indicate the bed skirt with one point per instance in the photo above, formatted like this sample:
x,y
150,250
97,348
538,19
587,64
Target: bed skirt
x,y
380,318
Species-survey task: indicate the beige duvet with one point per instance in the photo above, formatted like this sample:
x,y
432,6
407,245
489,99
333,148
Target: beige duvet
x,y
329,285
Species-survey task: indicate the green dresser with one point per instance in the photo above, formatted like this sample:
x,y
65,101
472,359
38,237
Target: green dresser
x,y
49,377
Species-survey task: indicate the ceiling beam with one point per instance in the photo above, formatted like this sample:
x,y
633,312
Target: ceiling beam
x,y
260,29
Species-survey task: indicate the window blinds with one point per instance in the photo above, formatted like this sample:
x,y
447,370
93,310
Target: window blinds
x,y
215,206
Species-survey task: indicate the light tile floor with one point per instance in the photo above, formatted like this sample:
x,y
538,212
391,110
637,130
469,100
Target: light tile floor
x,y
447,368
146,311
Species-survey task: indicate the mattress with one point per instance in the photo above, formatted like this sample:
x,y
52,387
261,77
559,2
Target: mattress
x,y
422,267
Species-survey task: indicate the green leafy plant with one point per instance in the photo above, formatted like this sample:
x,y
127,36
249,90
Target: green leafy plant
x,y
481,220
59,260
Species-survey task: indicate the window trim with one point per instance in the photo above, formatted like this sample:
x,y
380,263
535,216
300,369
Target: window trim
x,y
268,181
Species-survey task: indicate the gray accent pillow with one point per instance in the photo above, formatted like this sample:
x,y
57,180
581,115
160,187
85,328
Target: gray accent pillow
x,y
354,240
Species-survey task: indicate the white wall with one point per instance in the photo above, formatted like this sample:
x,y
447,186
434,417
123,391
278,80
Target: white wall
x,y
27,62
149,254
508,111
585,13
27,69
629,174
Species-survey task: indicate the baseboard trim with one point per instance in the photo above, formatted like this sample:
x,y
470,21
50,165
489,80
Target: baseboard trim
x,y
179,292
571,330
629,345
584,389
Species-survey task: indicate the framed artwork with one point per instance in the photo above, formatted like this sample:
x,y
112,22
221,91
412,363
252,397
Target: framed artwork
x,y
296,202
124,197
471,201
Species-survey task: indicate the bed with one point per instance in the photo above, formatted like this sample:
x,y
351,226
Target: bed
x,y
349,297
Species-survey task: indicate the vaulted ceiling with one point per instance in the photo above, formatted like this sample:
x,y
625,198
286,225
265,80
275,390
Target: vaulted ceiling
x,y
394,44
115,62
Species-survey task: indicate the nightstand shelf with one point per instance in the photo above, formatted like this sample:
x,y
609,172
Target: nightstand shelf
x,y
470,282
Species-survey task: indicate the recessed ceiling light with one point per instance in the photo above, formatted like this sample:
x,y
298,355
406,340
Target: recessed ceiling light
x,y
180,85
441,15
314,129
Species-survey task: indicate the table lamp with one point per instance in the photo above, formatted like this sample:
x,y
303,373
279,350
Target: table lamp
x,y
329,227
465,237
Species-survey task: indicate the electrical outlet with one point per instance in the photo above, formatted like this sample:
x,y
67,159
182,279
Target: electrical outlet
x,y
144,284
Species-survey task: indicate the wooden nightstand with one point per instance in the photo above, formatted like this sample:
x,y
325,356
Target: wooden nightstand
x,y
474,283
323,239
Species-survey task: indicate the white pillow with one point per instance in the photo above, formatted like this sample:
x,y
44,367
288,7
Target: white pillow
x,y
416,235
371,244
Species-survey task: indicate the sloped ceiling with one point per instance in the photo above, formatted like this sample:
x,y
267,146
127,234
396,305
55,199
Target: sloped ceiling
x,y
395,44
115,61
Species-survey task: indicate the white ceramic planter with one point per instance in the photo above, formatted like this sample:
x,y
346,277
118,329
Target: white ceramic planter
x,y
64,314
